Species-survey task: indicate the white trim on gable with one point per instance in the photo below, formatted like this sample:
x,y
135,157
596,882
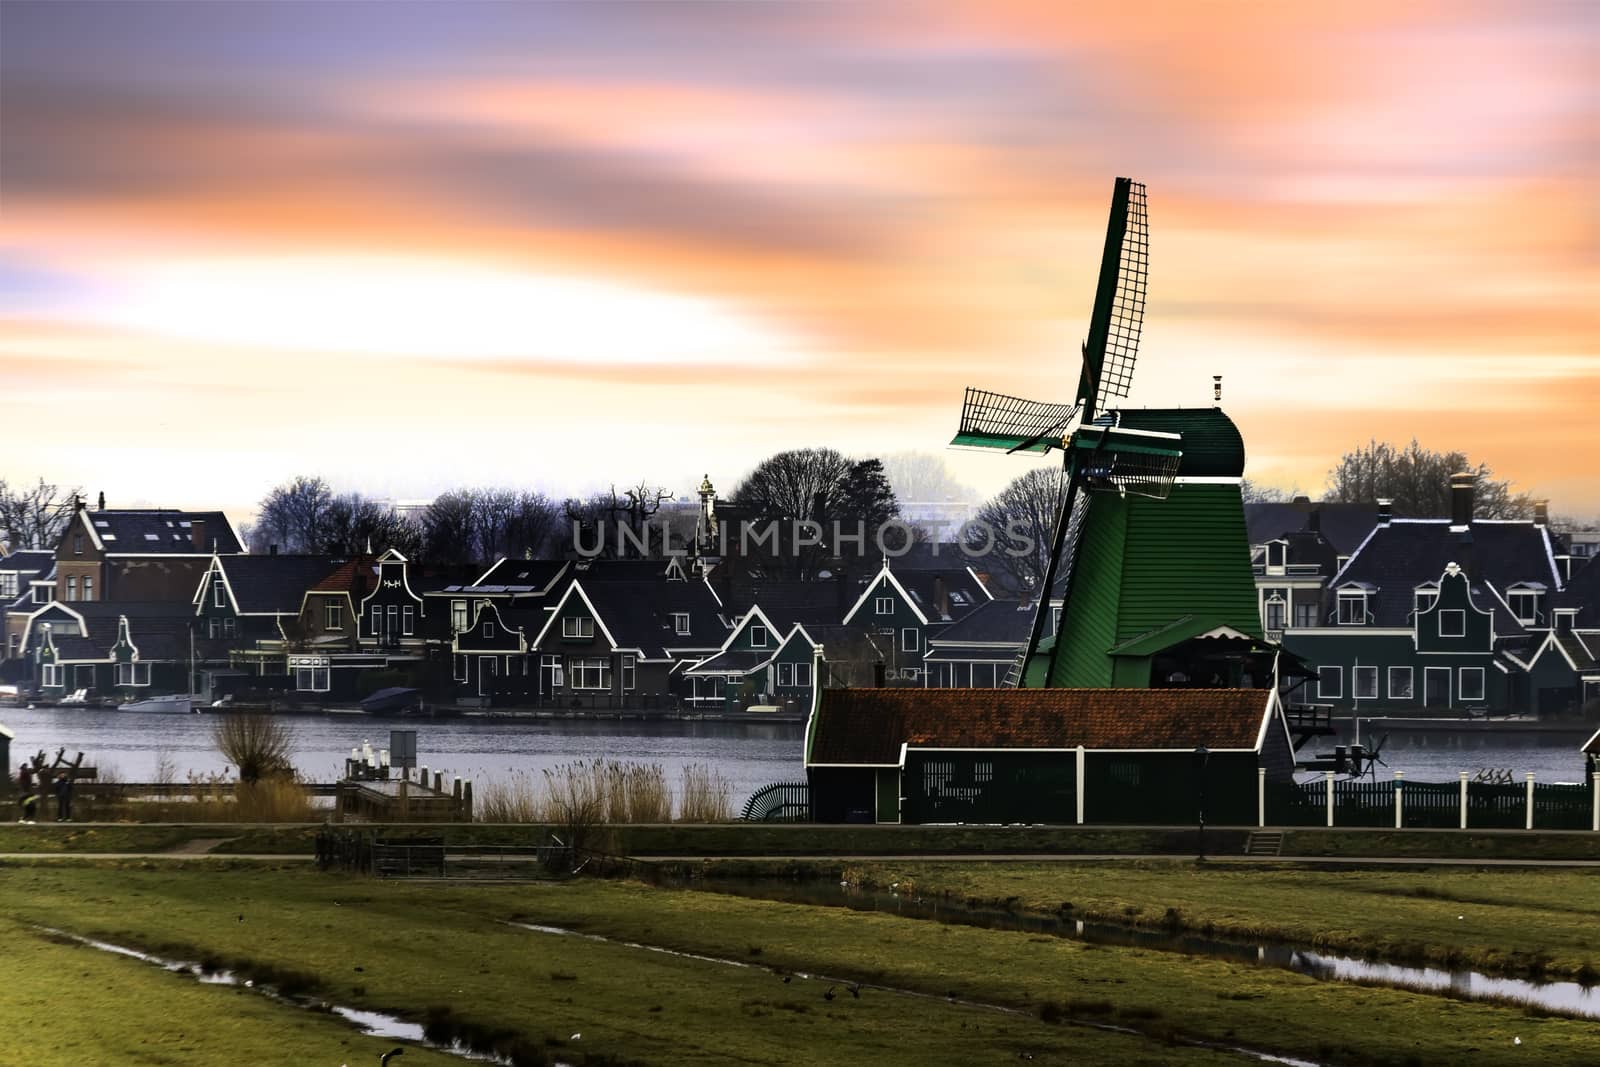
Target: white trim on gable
x,y
884,573
477,617
27,629
555,613
94,537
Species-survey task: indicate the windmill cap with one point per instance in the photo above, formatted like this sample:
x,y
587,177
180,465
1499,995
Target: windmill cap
x,y
1212,445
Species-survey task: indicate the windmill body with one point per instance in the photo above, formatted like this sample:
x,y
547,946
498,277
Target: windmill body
x,y
1151,564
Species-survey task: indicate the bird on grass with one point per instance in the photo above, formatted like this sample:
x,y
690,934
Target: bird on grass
x,y
855,990
829,994
383,1060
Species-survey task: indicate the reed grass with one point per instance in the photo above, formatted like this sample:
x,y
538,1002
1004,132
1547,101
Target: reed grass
x,y
706,796
589,792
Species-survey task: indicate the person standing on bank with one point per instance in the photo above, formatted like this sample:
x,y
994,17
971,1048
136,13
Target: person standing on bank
x,y
25,794
64,797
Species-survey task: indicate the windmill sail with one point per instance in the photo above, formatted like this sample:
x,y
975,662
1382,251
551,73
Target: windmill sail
x,y
994,420
1113,344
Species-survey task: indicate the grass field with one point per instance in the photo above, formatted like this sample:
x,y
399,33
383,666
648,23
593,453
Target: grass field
x,y
1538,922
445,951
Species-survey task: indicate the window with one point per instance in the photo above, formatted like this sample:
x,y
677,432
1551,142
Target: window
x,y
1365,683
1470,684
1400,683
133,674
311,679
394,622
1330,682
589,672
1352,609
680,622
884,605
214,628
230,626
785,675
577,627
1275,610
758,637
1276,551
1426,598
802,675
408,620
488,629
8,585
50,674
1453,623
77,544
88,587
1055,620
461,668
219,593
377,620
458,616
629,673
1525,606
333,616
72,588
910,639
41,594
1305,615
550,676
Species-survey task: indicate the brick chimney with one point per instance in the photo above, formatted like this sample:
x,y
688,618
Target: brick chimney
x,y
1541,513
102,506
1385,510
197,534
1461,489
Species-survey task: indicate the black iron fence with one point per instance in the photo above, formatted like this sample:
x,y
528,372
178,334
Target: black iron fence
x,y
779,802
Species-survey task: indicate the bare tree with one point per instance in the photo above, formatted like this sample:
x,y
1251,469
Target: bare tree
x,y
259,745
533,525
294,516
352,524
448,529
924,476
36,517
1017,527
603,514
1256,493
1417,479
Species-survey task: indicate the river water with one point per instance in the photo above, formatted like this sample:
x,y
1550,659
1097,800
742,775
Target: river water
x,y
748,755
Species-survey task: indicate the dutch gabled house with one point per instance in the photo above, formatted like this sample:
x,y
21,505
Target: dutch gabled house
x,y
20,596
242,603
904,609
1296,549
976,651
138,554
490,655
1435,615
125,651
758,665
1562,667
511,584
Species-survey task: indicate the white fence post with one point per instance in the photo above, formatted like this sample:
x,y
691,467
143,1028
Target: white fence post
x,y
1261,796
1079,777
1399,799
1530,801
1463,800
1594,795
1328,779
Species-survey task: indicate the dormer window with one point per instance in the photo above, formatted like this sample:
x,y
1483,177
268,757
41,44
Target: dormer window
x,y
1426,597
1525,606
1277,554
1352,608
758,637
577,628
1566,619
680,622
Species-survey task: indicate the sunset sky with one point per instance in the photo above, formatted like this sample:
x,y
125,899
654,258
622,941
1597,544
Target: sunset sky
x,y
410,246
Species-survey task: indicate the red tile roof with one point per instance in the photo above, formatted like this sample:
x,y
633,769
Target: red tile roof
x,y
868,726
358,575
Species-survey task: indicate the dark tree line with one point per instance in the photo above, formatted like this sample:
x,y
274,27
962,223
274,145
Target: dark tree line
x,y
33,516
1417,479
843,496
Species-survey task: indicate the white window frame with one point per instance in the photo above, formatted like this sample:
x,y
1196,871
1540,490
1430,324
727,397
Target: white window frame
x,y
1304,615
758,636
312,679
333,615
88,587
581,627
219,593
488,629
462,672
883,605
590,674
230,626
1530,598
214,628
786,675
910,639
1359,600
8,585
551,675
1276,606
1461,684
376,620
630,672
1409,690
802,675
41,594
50,674
72,587
1337,673
408,620
1358,674
1423,599
1459,614
133,673
680,622
458,616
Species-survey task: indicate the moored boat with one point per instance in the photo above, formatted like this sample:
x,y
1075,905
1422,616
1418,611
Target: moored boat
x,y
175,704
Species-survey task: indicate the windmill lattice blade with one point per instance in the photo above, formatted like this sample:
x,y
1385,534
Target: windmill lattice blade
x,y
1127,304
995,420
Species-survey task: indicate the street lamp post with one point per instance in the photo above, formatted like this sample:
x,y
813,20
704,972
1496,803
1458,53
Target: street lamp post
x,y
1201,754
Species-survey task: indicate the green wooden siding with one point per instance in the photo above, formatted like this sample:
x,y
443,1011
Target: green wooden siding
x,y
888,794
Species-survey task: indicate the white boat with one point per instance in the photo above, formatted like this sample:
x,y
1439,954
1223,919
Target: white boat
x,y
177,704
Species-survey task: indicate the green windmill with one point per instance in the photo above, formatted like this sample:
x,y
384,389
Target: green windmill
x,y
1150,560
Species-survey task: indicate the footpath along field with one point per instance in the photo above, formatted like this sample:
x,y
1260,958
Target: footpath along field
x,y
450,954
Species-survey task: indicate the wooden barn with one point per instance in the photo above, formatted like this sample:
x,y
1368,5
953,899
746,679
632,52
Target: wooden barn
x,y
1044,755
